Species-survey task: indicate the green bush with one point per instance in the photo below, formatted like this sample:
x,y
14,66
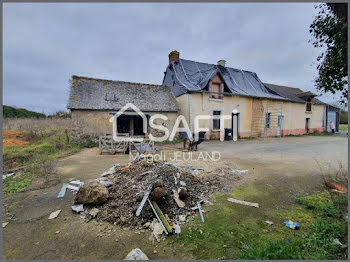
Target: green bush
x,y
12,112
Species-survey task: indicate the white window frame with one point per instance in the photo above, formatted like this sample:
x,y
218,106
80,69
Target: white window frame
x,y
212,117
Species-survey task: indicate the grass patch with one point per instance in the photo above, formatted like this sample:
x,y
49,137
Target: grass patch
x,y
232,231
36,158
343,127
323,228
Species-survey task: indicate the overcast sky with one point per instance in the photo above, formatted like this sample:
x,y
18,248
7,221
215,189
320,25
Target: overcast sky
x,y
45,44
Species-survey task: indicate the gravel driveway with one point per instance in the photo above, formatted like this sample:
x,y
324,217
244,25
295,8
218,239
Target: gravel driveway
x,y
291,163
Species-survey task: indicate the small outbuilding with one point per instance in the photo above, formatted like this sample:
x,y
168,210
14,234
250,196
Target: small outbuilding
x,y
93,102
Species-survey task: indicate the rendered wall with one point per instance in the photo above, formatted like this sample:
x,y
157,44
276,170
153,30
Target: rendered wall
x,y
295,115
203,105
252,114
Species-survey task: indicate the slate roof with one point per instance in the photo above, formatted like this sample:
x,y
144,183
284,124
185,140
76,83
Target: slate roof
x,y
190,76
292,93
100,94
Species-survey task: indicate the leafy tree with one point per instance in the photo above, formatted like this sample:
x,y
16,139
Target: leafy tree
x,y
329,30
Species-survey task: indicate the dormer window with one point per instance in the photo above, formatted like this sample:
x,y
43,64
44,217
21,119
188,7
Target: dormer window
x,y
216,90
308,105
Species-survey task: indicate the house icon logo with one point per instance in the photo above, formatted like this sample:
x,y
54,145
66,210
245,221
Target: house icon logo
x,y
121,112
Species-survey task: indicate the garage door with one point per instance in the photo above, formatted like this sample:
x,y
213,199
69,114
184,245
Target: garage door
x,y
332,116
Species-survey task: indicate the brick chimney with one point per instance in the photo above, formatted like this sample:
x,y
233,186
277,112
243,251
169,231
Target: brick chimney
x,y
174,56
222,63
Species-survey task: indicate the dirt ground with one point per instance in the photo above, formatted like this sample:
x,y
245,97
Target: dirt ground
x,y
285,167
13,138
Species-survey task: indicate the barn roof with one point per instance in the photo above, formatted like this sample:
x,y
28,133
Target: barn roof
x,y
292,93
100,94
190,76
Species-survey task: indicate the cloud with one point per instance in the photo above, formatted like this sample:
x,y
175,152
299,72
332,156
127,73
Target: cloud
x,y
44,44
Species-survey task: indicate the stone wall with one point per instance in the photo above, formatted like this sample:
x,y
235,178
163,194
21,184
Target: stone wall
x,y
88,125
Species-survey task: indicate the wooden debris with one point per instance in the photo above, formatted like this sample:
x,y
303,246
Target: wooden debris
x,y
145,197
162,217
177,199
5,224
146,173
126,166
336,186
156,214
243,202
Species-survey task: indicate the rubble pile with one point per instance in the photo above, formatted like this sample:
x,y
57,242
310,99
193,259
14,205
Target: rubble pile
x,y
175,189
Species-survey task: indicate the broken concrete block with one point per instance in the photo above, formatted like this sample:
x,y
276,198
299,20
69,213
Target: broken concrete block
x,y
136,254
78,208
182,183
54,214
93,212
182,218
157,230
92,193
146,225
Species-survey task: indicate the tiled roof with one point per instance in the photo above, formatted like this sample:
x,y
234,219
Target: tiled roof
x,y
100,94
292,93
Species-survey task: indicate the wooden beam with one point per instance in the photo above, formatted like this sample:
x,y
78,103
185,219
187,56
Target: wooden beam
x,y
162,217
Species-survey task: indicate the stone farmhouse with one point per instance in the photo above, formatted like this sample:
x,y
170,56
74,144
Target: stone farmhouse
x,y
191,88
